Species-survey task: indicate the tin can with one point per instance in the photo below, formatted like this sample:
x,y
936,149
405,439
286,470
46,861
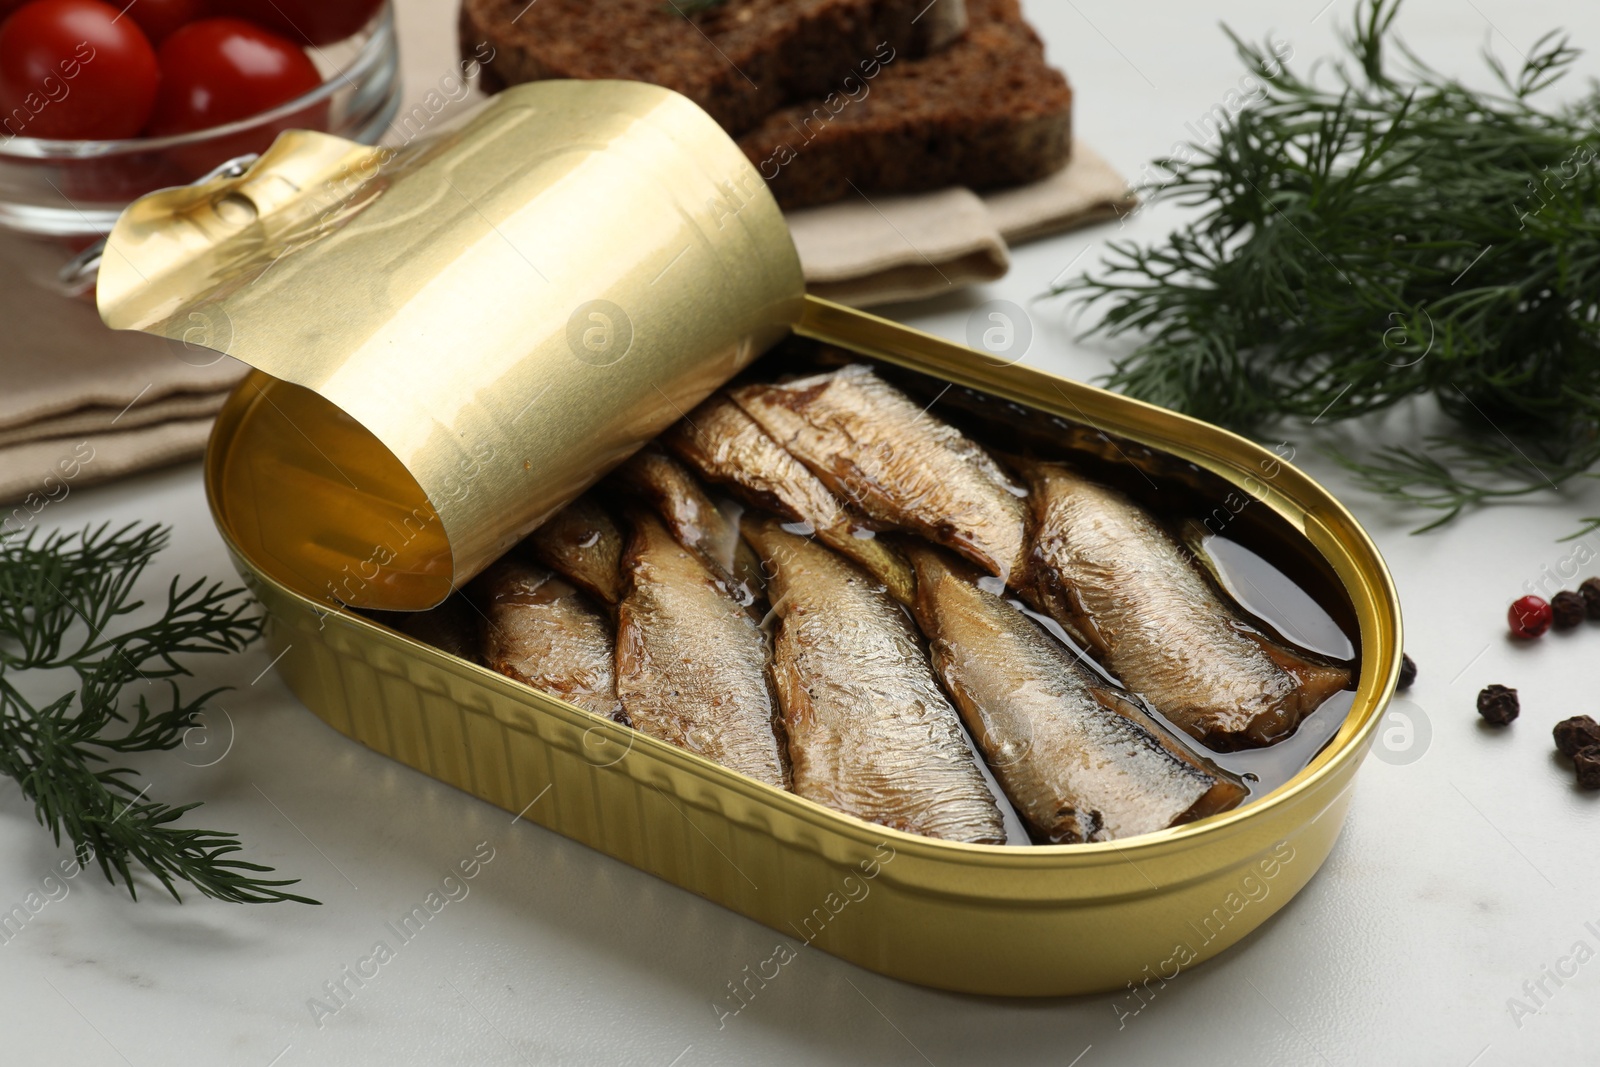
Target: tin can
x,y
1036,921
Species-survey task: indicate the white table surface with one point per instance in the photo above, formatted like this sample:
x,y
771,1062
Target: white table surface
x,y
1460,875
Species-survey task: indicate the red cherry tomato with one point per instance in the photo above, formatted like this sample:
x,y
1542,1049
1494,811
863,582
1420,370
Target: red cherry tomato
x,y
224,70
306,21
73,69
218,71
159,19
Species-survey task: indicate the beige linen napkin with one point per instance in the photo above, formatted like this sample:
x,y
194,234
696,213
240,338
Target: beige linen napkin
x,y
879,249
79,403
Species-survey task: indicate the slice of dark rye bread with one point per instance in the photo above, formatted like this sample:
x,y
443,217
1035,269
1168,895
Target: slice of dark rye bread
x,y
987,111
738,59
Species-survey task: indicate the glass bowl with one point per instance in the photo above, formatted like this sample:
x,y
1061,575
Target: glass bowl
x,y
76,189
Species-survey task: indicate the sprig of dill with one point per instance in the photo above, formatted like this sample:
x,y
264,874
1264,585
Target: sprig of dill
x,y
64,602
1390,235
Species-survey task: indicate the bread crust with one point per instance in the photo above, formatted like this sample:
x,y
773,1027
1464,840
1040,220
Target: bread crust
x,y
988,111
739,61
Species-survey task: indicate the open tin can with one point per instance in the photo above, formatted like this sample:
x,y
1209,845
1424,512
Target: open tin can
x,y
452,341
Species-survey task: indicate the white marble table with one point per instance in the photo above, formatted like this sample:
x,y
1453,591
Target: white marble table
x,y
1461,875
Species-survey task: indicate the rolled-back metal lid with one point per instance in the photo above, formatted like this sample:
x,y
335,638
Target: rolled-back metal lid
x,y
468,332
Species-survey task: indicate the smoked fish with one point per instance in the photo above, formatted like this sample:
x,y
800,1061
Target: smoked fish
x,y
1128,591
583,543
900,465
870,732
544,633
693,517
1079,759
691,662
727,447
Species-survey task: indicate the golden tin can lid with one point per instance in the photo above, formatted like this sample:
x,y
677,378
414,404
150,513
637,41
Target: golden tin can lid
x,y
464,333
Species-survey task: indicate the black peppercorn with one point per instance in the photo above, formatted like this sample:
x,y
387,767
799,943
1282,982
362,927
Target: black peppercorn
x,y
1408,672
1575,734
1498,704
1568,609
1590,589
1587,764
